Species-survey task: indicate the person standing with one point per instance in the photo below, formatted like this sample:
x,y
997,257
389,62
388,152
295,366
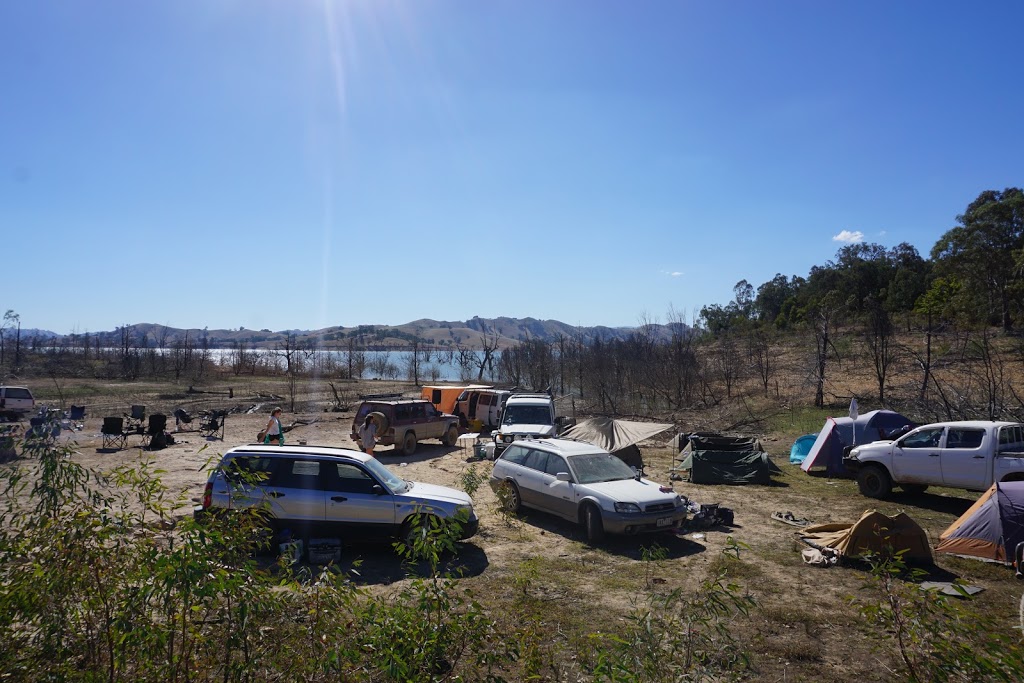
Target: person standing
x,y
274,430
368,435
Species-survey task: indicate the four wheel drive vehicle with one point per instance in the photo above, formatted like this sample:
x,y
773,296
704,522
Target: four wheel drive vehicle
x,y
585,484
407,421
526,416
964,455
310,489
16,402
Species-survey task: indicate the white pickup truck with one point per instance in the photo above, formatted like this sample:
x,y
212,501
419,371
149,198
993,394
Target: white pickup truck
x,y
963,455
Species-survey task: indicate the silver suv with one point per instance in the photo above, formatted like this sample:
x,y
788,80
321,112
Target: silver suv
x,y
311,489
585,484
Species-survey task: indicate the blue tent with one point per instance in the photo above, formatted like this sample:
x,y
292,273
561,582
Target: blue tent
x,y
801,447
840,432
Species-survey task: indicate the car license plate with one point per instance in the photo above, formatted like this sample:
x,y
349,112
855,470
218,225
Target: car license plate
x,y
664,521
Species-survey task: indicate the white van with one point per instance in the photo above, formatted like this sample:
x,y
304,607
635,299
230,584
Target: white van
x,y
483,404
16,402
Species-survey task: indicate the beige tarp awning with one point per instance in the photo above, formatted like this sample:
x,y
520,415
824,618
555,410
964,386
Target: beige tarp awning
x,y
611,434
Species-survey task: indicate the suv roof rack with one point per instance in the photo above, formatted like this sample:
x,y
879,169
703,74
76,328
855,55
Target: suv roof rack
x,y
372,397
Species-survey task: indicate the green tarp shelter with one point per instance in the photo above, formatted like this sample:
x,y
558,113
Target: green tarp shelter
x,y
716,459
729,467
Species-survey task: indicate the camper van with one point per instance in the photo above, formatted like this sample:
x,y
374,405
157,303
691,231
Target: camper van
x,y
483,404
445,397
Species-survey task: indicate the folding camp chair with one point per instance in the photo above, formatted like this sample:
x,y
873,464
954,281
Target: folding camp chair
x,y
155,430
134,422
182,418
211,423
113,432
76,414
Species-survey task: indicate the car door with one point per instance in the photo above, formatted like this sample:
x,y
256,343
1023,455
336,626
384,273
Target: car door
x,y
965,463
533,480
561,494
916,458
295,492
356,501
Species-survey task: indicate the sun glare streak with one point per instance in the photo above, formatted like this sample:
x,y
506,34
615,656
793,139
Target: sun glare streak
x,y
334,48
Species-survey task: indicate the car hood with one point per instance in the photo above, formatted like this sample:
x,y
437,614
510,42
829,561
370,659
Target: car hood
x,y
860,448
426,493
546,430
632,491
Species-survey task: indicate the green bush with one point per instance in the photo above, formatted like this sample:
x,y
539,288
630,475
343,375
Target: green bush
x,y
931,637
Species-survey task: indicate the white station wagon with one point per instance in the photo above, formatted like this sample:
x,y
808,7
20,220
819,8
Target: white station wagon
x,y
585,484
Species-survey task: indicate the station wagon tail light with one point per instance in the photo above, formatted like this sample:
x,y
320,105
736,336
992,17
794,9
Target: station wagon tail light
x,y
627,508
208,495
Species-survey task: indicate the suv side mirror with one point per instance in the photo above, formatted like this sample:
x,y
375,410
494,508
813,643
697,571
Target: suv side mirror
x,y
377,490
564,476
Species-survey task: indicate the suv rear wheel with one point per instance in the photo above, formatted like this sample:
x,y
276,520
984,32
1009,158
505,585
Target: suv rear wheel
x,y
409,443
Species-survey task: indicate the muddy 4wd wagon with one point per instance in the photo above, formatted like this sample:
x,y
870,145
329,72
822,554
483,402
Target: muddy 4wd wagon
x,y
404,422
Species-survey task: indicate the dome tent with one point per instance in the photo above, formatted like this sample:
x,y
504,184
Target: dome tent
x,y
841,432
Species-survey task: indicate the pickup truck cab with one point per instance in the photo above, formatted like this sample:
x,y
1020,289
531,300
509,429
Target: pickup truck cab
x,y
964,455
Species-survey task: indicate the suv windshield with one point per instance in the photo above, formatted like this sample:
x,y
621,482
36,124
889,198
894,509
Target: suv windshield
x,y
530,415
594,467
392,481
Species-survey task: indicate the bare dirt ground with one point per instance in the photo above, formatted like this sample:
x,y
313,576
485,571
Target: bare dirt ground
x,y
804,627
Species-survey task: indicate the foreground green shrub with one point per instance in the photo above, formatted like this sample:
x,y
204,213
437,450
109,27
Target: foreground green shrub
x,y
931,637
681,636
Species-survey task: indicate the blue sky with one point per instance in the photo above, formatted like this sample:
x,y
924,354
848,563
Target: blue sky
x,y
301,164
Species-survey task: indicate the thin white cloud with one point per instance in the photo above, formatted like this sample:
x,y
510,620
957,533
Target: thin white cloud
x,y
672,273
849,237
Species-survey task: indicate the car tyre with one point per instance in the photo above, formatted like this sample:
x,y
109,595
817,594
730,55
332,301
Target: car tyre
x,y
451,436
874,482
409,443
592,523
511,500
914,489
415,527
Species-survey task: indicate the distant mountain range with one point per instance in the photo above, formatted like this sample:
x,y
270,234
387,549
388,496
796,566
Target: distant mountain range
x,y
468,333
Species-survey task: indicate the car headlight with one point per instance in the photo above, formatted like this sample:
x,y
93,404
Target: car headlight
x,y
679,501
627,508
507,438
855,452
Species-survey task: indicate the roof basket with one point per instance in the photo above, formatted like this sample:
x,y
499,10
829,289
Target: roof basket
x,y
372,397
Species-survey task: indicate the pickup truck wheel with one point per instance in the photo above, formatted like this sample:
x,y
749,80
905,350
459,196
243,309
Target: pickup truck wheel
x,y
451,436
593,524
874,482
409,443
914,489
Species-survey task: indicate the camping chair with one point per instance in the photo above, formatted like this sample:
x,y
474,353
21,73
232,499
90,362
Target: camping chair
x,y
76,414
157,424
44,426
211,423
182,418
113,432
133,422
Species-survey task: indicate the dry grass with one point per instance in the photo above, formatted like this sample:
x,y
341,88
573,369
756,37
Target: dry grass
x,y
538,577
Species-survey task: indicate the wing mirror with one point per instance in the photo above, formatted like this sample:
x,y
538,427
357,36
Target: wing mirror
x,y
564,476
